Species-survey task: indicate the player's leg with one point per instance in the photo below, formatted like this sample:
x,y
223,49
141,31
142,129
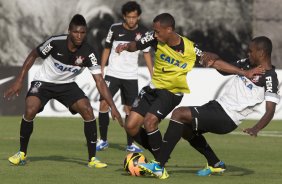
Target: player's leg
x,y
104,120
162,105
34,103
129,91
212,118
174,132
171,137
83,107
74,98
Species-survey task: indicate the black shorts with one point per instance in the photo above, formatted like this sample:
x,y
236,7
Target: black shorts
x,y
211,117
67,93
159,102
128,89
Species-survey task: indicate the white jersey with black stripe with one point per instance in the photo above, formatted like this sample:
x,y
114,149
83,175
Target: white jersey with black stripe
x,y
123,65
60,65
241,95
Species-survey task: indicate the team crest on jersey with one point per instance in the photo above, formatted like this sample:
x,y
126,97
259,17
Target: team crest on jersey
x,y
79,60
138,36
35,87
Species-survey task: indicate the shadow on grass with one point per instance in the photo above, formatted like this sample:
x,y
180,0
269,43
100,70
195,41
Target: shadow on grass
x,y
58,159
121,147
230,171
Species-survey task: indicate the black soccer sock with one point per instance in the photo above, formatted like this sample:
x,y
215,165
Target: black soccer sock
x,y
155,142
200,144
128,137
90,132
103,124
172,136
142,138
25,133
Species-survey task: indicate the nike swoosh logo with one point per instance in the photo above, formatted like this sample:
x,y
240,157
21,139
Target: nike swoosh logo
x,y
159,112
155,149
120,35
130,149
5,80
59,54
157,168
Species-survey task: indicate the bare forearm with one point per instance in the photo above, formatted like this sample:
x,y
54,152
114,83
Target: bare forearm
x,y
228,68
131,46
105,56
27,65
263,122
104,91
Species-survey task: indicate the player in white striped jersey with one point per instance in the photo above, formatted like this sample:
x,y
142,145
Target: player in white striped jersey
x,y
64,57
224,114
122,70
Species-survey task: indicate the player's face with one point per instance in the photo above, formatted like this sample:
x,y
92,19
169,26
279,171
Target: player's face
x,y
161,33
253,53
131,19
77,34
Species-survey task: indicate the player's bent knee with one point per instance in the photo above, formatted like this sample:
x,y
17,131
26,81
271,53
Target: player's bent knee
x,y
30,113
87,113
180,114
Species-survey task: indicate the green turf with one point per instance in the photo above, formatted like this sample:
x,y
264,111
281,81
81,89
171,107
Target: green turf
x,y
58,154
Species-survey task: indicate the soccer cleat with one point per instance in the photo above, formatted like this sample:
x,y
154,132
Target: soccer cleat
x,y
94,162
18,159
216,169
153,168
133,148
101,145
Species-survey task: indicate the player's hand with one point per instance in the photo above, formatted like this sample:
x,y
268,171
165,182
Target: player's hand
x,y
121,47
255,71
208,59
116,115
251,131
14,89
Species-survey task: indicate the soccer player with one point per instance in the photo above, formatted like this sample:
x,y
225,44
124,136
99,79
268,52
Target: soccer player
x,y
65,56
174,57
122,71
224,114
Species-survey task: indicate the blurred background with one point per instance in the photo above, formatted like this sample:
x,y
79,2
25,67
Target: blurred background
x,y
222,26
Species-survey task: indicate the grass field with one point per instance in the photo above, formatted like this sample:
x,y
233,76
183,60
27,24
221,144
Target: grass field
x,y
57,154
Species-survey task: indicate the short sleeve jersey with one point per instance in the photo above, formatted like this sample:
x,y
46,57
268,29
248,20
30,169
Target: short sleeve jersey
x,y
242,94
60,65
123,65
171,66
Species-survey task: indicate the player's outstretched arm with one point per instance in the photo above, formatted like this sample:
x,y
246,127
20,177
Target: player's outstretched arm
x,y
212,60
265,119
104,91
16,87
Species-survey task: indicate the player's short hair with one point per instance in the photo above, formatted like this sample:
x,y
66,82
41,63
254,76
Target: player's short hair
x,y
131,6
165,20
264,43
77,20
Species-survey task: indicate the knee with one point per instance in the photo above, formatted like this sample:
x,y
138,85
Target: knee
x,y
30,113
151,123
182,114
87,113
129,126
